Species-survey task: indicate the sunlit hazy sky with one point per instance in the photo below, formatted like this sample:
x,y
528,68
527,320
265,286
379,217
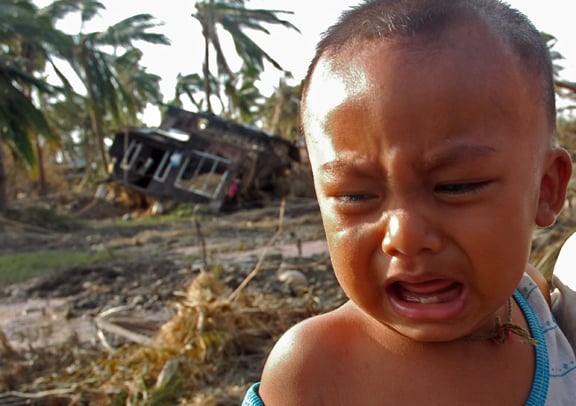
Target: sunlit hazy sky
x,y
292,50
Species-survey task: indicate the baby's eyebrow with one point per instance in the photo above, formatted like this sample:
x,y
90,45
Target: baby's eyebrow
x,y
457,154
333,166
333,170
338,165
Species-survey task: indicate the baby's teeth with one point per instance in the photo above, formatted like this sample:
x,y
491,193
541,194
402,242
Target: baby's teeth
x,y
431,299
423,300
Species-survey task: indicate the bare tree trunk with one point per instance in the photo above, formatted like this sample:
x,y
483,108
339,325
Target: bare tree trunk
x,y
96,116
3,185
89,151
278,107
102,145
206,69
41,169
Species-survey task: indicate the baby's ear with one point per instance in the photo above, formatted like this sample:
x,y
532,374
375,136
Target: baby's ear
x,y
553,186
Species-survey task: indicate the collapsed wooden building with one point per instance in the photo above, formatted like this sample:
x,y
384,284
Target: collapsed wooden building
x,y
200,157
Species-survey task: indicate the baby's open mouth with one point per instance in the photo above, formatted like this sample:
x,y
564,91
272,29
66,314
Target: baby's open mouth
x,y
430,292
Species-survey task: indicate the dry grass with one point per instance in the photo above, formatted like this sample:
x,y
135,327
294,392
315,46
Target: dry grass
x,y
207,354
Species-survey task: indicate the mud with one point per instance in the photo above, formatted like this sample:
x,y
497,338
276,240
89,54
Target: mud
x,y
151,262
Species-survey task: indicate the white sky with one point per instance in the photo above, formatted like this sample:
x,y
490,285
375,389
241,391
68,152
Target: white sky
x,y
292,50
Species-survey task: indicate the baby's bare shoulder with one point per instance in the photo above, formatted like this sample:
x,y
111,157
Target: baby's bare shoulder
x,y
309,343
307,357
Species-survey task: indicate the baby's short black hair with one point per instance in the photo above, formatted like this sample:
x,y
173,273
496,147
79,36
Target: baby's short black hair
x,y
373,20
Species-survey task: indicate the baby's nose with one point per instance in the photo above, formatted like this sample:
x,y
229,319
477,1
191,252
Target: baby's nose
x,y
408,233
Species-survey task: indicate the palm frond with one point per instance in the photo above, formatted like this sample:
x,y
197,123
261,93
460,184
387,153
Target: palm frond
x,y
129,30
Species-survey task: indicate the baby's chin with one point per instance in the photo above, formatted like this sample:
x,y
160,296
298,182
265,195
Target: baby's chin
x,y
432,332
430,335
445,333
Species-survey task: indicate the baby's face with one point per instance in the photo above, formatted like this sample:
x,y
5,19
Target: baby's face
x,y
427,166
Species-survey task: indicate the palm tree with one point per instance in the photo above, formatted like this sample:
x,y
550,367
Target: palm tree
x,y
93,65
70,122
190,86
136,87
280,111
23,34
234,18
564,88
20,119
244,98
112,82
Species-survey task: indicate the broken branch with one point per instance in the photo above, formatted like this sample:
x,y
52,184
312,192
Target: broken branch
x,y
234,295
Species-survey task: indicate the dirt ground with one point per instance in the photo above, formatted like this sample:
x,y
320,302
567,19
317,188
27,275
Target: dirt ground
x,y
103,333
